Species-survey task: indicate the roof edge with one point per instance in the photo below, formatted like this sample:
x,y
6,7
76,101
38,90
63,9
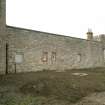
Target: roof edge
x,y
20,28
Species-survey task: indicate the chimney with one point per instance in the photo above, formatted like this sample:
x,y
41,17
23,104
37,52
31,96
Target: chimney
x,y
102,37
89,34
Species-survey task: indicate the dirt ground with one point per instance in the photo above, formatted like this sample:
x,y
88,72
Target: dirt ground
x,y
71,87
93,99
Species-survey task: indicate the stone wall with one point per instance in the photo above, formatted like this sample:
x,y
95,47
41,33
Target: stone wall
x,y
30,50
2,56
35,51
2,36
2,15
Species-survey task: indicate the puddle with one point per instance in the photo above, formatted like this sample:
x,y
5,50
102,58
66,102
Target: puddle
x,y
80,74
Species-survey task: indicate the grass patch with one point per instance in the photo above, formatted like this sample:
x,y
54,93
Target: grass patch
x,y
44,88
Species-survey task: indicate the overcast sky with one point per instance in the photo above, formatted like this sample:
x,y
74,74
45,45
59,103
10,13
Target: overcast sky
x,y
67,17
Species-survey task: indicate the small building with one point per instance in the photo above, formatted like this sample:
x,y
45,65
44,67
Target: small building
x,y
24,50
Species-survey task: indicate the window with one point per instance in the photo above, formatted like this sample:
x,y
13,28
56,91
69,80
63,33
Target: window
x,y
78,57
18,58
104,54
0,43
53,57
44,57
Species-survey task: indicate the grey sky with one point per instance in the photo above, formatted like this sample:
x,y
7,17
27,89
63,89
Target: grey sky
x,y
67,17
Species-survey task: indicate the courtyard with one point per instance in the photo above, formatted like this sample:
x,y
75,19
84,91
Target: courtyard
x,y
72,87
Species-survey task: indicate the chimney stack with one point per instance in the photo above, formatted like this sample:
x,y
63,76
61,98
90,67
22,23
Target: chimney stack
x,y
89,34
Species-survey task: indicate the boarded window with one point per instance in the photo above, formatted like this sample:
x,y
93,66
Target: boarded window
x,y
53,57
18,58
0,43
44,57
78,57
104,54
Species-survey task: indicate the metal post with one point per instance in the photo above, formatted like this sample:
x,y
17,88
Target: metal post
x,y
15,68
6,72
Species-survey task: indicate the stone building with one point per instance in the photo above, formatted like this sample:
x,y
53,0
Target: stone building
x,y
23,50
